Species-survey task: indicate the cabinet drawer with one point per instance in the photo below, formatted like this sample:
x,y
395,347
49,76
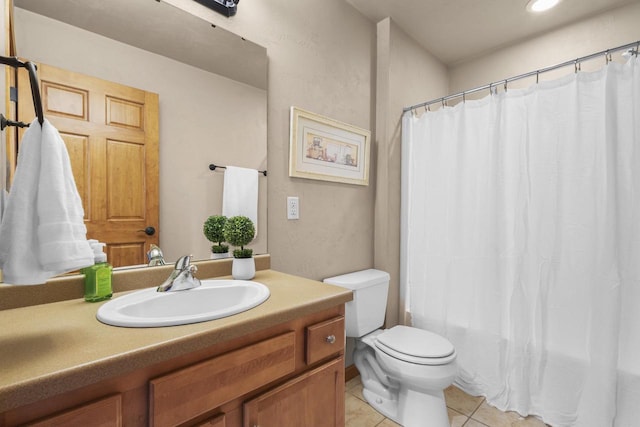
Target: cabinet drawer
x,y
106,412
325,339
190,392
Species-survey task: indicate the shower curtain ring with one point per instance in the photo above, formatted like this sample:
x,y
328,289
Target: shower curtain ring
x,y
427,107
537,76
505,85
577,66
464,97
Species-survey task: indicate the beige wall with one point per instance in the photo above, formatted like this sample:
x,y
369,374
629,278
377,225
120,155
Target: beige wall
x,y
614,28
407,75
203,119
321,59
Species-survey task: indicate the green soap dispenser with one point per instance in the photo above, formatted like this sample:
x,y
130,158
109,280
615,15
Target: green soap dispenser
x,y
97,278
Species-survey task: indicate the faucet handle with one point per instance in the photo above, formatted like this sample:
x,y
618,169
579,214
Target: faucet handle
x,y
155,256
183,262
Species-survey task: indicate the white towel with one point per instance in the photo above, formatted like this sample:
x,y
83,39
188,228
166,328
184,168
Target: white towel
x,y
240,194
42,232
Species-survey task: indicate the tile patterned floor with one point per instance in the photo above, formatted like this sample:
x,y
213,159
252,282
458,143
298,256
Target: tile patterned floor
x,y
464,410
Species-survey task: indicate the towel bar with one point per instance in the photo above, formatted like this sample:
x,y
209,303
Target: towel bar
x,y
213,167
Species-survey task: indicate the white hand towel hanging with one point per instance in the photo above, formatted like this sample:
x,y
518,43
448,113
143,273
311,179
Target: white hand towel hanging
x,y
240,193
42,232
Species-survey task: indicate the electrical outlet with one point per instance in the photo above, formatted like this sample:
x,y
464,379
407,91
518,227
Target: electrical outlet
x,y
293,208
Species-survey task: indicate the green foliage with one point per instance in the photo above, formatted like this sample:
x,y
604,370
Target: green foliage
x,y
243,253
220,249
213,230
239,231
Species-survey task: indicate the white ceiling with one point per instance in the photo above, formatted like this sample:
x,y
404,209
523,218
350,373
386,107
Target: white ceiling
x,y
458,30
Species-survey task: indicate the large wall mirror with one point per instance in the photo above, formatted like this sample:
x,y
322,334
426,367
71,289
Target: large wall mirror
x,y
212,96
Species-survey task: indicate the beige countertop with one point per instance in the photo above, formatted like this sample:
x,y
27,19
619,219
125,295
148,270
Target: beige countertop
x,y
53,348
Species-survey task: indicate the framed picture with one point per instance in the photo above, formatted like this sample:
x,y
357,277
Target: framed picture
x,y
328,150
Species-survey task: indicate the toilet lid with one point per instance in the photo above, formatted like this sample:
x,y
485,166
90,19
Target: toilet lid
x,y
415,345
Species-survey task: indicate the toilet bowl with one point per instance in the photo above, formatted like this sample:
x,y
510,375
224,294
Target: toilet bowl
x,y
404,370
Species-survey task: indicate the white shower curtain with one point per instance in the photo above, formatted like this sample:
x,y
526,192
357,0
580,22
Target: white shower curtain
x,y
521,244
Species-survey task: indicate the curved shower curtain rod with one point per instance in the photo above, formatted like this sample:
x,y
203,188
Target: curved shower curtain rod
x,y
634,47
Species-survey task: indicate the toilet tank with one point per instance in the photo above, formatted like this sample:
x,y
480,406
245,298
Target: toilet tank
x,y
366,312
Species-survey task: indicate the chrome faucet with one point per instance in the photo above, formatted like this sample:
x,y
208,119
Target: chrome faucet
x,y
181,277
155,256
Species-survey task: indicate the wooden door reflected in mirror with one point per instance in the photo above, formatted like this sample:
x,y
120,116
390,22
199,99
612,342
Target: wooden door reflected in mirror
x,y
111,133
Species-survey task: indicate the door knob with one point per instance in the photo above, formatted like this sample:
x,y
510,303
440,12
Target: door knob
x,y
149,231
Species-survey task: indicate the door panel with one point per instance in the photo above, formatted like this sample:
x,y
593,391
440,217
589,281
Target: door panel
x,y
314,399
111,134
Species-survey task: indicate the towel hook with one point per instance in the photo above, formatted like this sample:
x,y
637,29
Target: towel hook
x,y
14,62
35,91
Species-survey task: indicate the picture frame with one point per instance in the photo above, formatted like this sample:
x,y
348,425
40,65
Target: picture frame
x,y
325,149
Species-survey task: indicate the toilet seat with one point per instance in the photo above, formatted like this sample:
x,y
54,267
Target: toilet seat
x,y
415,345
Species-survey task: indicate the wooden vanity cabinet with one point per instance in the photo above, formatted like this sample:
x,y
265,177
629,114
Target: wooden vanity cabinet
x,y
314,397
291,374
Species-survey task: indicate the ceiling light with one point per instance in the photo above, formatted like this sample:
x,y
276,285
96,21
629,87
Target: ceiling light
x,y
541,5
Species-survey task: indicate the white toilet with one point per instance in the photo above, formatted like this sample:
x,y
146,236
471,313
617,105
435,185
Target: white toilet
x,y
404,370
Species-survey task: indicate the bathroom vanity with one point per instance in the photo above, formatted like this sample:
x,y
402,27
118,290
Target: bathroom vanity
x,y
278,364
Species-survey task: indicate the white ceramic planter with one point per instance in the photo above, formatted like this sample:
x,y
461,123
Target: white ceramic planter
x,y
220,256
243,268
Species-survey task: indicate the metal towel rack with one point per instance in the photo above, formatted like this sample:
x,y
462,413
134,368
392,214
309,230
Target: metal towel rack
x,y
213,167
35,90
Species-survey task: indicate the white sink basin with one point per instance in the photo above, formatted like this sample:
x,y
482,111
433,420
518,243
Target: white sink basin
x,y
212,300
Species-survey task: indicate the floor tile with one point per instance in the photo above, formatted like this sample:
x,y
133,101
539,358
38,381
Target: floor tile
x,y
355,388
354,382
388,423
456,419
530,421
493,417
461,401
463,410
359,413
474,423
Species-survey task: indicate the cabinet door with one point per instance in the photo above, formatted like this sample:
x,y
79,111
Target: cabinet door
x,y
314,399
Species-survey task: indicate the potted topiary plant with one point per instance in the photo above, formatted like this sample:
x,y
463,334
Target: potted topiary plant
x,y
240,231
214,232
